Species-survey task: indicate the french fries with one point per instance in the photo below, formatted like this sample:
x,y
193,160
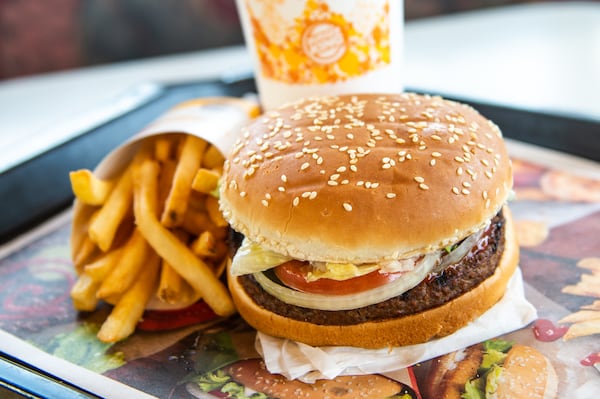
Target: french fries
x,y
587,320
154,231
191,268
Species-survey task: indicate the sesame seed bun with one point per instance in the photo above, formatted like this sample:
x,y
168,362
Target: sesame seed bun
x,y
412,329
365,178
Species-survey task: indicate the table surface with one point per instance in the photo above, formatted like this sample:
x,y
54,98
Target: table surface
x,y
542,57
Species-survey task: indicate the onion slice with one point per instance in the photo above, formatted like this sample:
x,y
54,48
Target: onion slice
x,y
461,251
351,301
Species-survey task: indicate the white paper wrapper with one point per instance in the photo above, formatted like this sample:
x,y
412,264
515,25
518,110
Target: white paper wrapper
x,y
307,363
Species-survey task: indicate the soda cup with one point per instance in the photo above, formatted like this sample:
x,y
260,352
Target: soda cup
x,y
302,48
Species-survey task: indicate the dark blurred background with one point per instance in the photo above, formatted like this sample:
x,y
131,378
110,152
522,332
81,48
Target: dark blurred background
x,y
38,36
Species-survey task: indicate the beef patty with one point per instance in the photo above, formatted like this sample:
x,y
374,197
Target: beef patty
x,y
435,290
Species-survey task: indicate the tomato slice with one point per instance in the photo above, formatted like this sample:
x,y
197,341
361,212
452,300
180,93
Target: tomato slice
x,y
293,274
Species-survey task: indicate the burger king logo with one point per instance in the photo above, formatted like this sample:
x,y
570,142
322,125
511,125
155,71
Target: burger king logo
x,y
324,42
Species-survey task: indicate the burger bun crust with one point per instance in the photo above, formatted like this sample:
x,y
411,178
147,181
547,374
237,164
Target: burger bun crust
x,y
361,169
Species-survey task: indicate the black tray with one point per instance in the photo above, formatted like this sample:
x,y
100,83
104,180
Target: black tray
x,y
35,190
39,188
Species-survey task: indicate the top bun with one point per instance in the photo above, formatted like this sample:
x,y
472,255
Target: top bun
x,y
365,177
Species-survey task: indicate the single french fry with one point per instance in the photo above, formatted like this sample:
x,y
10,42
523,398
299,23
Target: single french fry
x,y
580,316
195,222
212,207
592,263
197,201
88,188
106,222
163,148
197,273
127,269
85,252
101,267
594,306
582,329
83,293
129,309
589,285
172,288
206,180
205,245
213,158
177,200
165,179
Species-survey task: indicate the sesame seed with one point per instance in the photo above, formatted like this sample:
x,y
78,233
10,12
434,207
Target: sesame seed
x,y
459,171
436,137
312,195
284,178
488,174
341,169
281,189
459,159
436,154
423,186
465,191
296,201
487,203
419,179
484,195
390,195
332,183
347,206
265,203
466,184
304,166
485,162
455,190
242,194
432,162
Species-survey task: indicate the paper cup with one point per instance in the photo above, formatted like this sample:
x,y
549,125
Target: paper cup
x,y
302,48
218,120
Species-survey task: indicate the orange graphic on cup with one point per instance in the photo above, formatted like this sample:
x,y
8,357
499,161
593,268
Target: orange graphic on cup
x,y
319,45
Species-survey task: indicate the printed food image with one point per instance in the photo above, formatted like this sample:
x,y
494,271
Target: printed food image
x,y
153,232
250,379
493,369
587,320
537,183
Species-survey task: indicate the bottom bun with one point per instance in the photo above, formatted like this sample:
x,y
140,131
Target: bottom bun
x,y
408,330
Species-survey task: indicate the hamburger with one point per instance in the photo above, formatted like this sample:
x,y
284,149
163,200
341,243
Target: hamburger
x,y
493,369
368,220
